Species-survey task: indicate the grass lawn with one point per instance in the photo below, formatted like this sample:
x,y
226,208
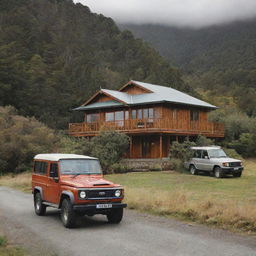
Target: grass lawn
x,y
229,203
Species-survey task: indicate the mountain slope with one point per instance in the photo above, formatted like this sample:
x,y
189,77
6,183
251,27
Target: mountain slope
x,y
219,58
54,54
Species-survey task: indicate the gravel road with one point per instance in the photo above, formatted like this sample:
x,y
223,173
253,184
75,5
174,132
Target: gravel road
x,y
138,234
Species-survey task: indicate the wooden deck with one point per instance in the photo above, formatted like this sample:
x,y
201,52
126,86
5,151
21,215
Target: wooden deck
x,y
176,127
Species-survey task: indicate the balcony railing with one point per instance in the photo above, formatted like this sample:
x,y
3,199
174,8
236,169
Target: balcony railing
x,y
149,125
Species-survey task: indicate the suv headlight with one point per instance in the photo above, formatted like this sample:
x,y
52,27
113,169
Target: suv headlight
x,y
225,164
82,194
118,193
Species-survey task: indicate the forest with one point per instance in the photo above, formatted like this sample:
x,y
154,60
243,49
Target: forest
x,y
54,54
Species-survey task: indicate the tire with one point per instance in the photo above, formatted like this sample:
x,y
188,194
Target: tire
x,y
115,216
40,208
68,216
193,170
237,175
218,173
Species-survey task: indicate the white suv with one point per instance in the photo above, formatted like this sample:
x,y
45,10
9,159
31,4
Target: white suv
x,y
214,160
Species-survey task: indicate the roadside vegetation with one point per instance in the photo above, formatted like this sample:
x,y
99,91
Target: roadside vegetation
x,y
9,250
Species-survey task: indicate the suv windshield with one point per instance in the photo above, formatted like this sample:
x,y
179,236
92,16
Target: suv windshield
x,y
216,153
80,166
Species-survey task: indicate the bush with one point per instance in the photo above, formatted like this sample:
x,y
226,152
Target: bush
x,y
177,165
246,145
181,150
203,141
119,168
22,138
109,147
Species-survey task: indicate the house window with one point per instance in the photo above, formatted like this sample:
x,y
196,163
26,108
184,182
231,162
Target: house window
x,y
194,115
139,113
134,114
150,113
91,118
126,115
110,117
145,113
119,115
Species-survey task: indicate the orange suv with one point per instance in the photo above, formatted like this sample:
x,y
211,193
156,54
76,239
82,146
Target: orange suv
x,y
74,184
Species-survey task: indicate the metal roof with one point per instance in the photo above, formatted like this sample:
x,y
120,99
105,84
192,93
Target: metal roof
x,y
57,157
105,104
159,94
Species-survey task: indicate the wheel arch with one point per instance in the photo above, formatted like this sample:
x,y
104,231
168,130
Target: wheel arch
x,y
215,167
66,194
38,189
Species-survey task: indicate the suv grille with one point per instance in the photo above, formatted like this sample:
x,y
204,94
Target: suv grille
x,y
235,164
100,193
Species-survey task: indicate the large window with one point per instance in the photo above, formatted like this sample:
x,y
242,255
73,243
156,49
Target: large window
x,y
91,118
194,115
145,113
110,117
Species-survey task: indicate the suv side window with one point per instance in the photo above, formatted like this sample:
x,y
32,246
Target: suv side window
x,y
205,154
40,167
54,170
197,154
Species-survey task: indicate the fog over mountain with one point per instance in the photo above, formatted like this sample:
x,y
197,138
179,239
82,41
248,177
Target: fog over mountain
x,y
191,13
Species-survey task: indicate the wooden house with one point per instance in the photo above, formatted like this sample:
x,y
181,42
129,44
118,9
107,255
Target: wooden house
x,y
151,115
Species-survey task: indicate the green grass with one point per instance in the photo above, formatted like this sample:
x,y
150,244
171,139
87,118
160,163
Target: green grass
x,y
8,250
229,203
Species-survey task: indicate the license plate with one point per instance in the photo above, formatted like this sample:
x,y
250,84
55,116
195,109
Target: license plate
x,y
103,206
236,169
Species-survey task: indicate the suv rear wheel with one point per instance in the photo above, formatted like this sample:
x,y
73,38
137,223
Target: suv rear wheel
x,y
68,216
218,173
115,216
193,169
40,208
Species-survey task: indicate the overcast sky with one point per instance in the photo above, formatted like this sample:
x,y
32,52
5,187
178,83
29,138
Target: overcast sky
x,y
195,13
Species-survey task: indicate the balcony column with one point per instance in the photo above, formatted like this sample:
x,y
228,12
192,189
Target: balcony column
x,y
130,147
161,146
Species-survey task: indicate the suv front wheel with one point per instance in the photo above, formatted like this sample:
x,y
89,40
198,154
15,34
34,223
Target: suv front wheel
x,y
68,216
218,173
115,216
193,169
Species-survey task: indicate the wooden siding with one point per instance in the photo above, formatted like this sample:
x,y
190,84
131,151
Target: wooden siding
x,y
167,119
134,89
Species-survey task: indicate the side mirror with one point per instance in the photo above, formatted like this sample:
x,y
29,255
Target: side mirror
x,y
56,179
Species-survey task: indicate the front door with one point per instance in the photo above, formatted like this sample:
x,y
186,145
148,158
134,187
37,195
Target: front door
x,y
146,147
53,191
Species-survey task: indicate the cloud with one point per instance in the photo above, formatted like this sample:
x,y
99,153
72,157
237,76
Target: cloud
x,y
193,13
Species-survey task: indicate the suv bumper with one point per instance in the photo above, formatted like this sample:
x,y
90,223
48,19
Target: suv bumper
x,y
231,170
92,208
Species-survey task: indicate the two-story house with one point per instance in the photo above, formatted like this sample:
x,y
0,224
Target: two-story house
x,y
151,115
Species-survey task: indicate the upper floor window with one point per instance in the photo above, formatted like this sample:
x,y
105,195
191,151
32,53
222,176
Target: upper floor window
x,y
144,113
194,115
91,118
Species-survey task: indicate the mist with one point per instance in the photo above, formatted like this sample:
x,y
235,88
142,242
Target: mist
x,y
180,13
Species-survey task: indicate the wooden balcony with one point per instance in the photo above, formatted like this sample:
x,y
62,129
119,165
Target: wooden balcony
x,y
145,126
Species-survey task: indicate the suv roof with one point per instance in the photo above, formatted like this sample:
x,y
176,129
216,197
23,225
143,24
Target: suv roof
x,y
206,148
57,157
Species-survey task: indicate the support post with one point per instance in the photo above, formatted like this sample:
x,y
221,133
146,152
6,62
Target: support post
x,y
131,147
161,146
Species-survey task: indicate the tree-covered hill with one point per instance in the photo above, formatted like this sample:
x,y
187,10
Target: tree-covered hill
x,y
219,58
54,54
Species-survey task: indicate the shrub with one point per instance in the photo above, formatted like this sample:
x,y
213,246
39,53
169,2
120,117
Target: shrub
x,y
177,165
181,150
119,168
203,141
109,147
22,138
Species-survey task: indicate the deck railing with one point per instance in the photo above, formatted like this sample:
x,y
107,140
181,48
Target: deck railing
x,y
135,125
